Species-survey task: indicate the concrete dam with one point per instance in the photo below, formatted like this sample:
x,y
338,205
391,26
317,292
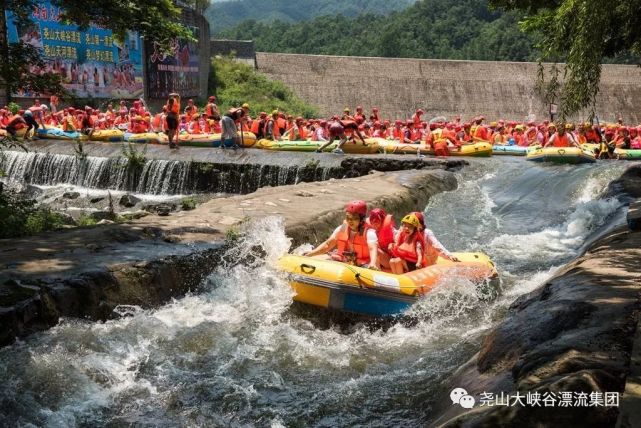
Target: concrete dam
x,y
398,86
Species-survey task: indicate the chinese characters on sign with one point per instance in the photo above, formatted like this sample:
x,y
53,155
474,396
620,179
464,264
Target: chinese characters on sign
x,y
92,63
535,399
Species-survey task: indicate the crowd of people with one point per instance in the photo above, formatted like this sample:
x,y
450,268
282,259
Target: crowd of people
x,y
373,242
440,134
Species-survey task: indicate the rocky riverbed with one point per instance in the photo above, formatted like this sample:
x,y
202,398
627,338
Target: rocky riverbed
x,y
575,334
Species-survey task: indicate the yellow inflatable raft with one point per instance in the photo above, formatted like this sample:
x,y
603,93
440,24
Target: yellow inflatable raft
x,y
571,155
356,146
478,149
339,286
110,135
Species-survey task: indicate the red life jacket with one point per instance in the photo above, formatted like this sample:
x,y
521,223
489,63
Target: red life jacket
x,y
302,133
385,234
406,249
358,245
561,141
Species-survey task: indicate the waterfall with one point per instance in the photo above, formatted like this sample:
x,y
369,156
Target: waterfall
x,y
155,176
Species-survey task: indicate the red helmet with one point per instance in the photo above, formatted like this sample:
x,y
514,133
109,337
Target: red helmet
x,y
375,109
212,98
398,122
356,207
419,111
359,107
377,214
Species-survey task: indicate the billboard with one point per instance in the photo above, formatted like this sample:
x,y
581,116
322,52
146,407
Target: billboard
x,y
92,62
175,71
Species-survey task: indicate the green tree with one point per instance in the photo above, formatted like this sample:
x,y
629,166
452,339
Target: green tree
x,y
155,19
583,33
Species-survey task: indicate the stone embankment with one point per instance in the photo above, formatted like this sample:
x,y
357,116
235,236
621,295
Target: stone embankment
x,y
576,333
87,272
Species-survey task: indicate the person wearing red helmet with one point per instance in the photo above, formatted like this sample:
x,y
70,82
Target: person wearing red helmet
x,y
479,131
359,117
416,117
375,114
338,129
211,109
383,224
355,242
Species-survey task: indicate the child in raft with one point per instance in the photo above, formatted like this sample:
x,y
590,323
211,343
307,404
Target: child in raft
x,y
408,246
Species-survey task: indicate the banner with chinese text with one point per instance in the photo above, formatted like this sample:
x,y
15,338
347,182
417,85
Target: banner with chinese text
x,y
92,63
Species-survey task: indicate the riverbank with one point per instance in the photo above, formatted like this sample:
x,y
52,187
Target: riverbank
x,y
86,272
575,334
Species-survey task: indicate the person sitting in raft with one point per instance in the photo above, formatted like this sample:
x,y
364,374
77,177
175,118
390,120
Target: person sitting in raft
x,y
408,247
355,242
383,224
433,248
562,138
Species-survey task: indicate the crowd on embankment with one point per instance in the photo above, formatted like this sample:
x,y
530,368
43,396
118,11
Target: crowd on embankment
x,y
441,134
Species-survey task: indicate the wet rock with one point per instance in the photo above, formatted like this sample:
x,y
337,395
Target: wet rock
x,y
97,199
160,209
71,195
105,221
128,201
134,215
304,194
102,215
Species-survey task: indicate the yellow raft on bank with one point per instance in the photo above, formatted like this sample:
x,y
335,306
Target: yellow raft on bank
x,y
478,149
334,285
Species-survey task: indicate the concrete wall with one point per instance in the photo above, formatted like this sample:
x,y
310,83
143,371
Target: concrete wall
x,y
242,50
440,87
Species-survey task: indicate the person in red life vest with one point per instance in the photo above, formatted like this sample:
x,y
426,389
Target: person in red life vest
x,y
375,115
378,132
345,130
416,117
110,114
408,130
190,109
16,123
4,118
281,122
359,117
173,111
636,141
272,130
194,126
300,129
140,126
530,133
69,123
623,139
433,248
289,127
258,125
408,247
122,120
397,131
383,224
480,133
355,242
634,133
211,109
593,135
246,120
457,120
123,107
562,138
158,122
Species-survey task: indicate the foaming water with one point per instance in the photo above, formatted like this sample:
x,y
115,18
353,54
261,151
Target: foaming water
x,y
233,353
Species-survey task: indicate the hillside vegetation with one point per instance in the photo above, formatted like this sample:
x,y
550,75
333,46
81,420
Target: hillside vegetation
x,y
446,29
222,15
236,83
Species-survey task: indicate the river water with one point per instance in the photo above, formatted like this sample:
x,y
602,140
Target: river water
x,y
235,354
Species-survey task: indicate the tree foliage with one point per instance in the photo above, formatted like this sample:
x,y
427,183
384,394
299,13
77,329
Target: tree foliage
x,y
583,33
227,14
443,29
235,83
